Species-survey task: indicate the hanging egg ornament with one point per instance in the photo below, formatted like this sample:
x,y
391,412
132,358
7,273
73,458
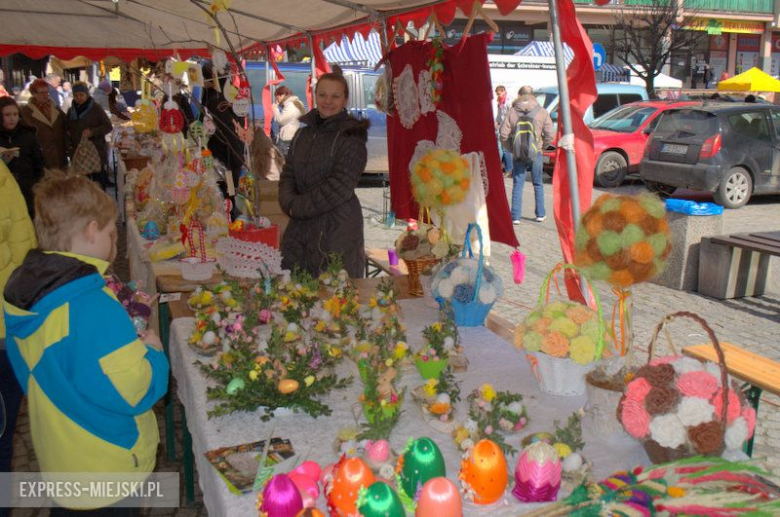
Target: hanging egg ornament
x,y
208,159
197,133
219,59
280,497
208,124
379,500
440,497
151,231
421,461
144,118
484,472
537,474
241,106
349,476
235,385
171,118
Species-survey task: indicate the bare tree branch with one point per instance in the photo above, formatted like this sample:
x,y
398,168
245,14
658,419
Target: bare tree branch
x,y
645,37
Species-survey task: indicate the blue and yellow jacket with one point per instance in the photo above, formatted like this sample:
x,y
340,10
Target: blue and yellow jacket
x,y
90,381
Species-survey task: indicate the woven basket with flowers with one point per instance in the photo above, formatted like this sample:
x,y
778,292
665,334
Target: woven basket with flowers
x,y
678,407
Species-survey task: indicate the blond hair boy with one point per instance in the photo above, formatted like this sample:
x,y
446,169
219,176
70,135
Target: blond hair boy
x,y
90,380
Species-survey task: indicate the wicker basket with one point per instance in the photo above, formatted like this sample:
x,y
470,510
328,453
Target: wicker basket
x,y
658,453
415,268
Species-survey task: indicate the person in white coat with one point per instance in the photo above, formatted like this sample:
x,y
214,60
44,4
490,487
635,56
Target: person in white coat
x,y
287,110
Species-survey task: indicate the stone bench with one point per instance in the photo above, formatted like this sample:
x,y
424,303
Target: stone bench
x,y
734,266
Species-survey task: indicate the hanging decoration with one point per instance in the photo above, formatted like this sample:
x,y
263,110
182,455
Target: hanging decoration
x,y
242,103
436,62
144,118
440,178
219,59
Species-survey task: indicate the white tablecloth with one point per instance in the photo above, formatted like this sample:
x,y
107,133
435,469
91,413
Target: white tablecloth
x,y
491,360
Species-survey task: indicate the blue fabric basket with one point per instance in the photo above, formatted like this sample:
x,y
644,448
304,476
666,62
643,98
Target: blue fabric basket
x,y
473,313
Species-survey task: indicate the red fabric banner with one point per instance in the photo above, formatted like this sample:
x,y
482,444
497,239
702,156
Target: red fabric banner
x,y
581,79
466,98
96,54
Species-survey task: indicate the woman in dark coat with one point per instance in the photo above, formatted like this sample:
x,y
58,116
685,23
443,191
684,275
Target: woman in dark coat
x,y
26,163
318,181
86,119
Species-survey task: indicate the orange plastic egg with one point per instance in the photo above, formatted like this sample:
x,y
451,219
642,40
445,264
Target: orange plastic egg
x,y
485,471
350,476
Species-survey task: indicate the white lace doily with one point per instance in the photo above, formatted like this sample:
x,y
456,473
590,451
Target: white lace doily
x,y
449,135
424,92
406,97
246,259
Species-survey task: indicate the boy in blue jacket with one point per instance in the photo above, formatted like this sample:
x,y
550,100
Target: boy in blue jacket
x,y
91,382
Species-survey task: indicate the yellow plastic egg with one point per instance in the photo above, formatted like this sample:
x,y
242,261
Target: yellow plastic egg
x,y
287,386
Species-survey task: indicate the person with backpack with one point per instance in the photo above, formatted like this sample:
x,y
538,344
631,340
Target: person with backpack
x,y
527,129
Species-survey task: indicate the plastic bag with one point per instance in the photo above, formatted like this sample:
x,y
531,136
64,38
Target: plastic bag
x,y
684,206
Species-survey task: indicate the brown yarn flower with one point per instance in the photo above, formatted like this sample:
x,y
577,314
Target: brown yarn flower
x,y
614,221
410,242
661,400
707,438
661,375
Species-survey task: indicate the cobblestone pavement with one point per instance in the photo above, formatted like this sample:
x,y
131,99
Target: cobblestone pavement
x,y
753,323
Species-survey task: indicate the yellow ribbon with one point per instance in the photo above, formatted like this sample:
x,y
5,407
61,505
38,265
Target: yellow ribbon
x,y
620,307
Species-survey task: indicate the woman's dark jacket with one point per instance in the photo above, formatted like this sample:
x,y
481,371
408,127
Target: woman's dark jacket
x,y
92,117
27,168
317,191
224,144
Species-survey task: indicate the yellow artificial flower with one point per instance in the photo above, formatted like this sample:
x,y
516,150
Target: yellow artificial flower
x,y
488,393
436,326
253,375
400,350
309,380
461,433
364,346
372,303
383,403
676,491
320,326
389,363
334,351
430,387
290,336
562,449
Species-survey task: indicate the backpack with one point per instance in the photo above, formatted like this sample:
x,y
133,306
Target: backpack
x,y
525,146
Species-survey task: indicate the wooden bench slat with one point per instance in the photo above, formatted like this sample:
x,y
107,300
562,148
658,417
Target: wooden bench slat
x,y
767,235
758,239
750,245
743,364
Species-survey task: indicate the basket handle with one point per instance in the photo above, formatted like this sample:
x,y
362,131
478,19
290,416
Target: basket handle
x,y
197,225
715,343
544,291
467,249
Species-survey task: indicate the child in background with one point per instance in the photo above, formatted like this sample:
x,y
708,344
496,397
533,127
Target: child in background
x,y
90,380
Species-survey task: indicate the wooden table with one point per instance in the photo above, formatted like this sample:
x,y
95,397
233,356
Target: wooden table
x,y
758,372
377,262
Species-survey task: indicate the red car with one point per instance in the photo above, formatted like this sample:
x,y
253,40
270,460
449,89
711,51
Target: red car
x,y
619,139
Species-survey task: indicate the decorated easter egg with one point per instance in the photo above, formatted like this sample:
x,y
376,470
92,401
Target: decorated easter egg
x,y
308,487
309,468
377,452
537,474
485,471
440,497
350,475
151,231
572,462
379,500
235,385
209,338
421,461
287,386
310,512
443,398
280,497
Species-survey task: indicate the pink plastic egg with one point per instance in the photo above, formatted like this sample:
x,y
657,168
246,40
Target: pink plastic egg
x,y
439,497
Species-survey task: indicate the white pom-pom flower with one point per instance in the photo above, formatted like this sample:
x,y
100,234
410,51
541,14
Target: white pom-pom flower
x,y
687,364
446,288
668,431
487,295
693,411
460,275
736,433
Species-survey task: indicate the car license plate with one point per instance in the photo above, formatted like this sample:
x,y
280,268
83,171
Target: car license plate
x,y
674,149
546,160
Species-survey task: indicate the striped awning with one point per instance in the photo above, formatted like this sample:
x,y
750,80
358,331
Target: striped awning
x,y
544,49
358,52
609,73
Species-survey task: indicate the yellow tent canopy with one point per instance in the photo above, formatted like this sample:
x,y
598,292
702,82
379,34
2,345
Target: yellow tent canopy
x,y
754,80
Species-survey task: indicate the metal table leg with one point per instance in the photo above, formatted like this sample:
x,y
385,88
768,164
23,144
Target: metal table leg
x,y
189,467
165,333
753,396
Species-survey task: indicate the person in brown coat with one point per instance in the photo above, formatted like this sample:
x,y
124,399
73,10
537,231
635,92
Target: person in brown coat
x,y
49,122
86,119
318,181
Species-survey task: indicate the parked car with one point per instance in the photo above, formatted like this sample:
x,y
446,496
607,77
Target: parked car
x,y
619,139
730,149
610,96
